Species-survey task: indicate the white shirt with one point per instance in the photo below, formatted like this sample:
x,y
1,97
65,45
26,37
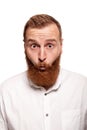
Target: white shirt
x,y
24,106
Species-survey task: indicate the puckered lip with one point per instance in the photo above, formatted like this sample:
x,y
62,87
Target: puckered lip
x,y
42,68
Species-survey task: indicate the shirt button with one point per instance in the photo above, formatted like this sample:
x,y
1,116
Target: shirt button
x,y
46,114
45,94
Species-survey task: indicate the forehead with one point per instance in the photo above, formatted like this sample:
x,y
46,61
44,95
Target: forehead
x,y
50,31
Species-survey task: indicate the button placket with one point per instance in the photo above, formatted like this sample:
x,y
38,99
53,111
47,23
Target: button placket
x,y
46,111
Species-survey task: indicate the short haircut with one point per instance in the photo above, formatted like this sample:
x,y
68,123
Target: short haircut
x,y
40,21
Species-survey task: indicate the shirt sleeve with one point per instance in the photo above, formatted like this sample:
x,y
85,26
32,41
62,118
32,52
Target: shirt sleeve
x,y
84,105
3,124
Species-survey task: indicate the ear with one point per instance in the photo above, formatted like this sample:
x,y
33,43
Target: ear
x,y
61,45
24,45
61,41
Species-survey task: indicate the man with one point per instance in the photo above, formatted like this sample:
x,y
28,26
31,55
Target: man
x,y
45,97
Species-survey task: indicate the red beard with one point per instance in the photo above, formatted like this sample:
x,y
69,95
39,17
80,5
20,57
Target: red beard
x,y
43,77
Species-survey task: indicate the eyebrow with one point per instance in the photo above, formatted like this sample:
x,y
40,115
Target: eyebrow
x,y
51,40
31,40
48,40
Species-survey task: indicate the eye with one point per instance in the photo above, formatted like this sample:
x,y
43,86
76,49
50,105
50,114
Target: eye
x,y
34,46
50,45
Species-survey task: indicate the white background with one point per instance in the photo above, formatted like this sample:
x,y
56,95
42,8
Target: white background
x,y
72,14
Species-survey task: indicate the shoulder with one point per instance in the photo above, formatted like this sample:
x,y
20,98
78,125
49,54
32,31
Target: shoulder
x,y
14,81
73,77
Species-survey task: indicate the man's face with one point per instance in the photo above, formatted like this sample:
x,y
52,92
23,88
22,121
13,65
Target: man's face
x,y
42,48
43,45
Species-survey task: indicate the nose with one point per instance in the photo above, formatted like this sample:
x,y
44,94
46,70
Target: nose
x,y
42,55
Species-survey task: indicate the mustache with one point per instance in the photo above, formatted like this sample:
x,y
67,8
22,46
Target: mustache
x,y
39,67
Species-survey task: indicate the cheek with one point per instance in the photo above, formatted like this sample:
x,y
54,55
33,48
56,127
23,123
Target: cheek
x,y
32,56
53,56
